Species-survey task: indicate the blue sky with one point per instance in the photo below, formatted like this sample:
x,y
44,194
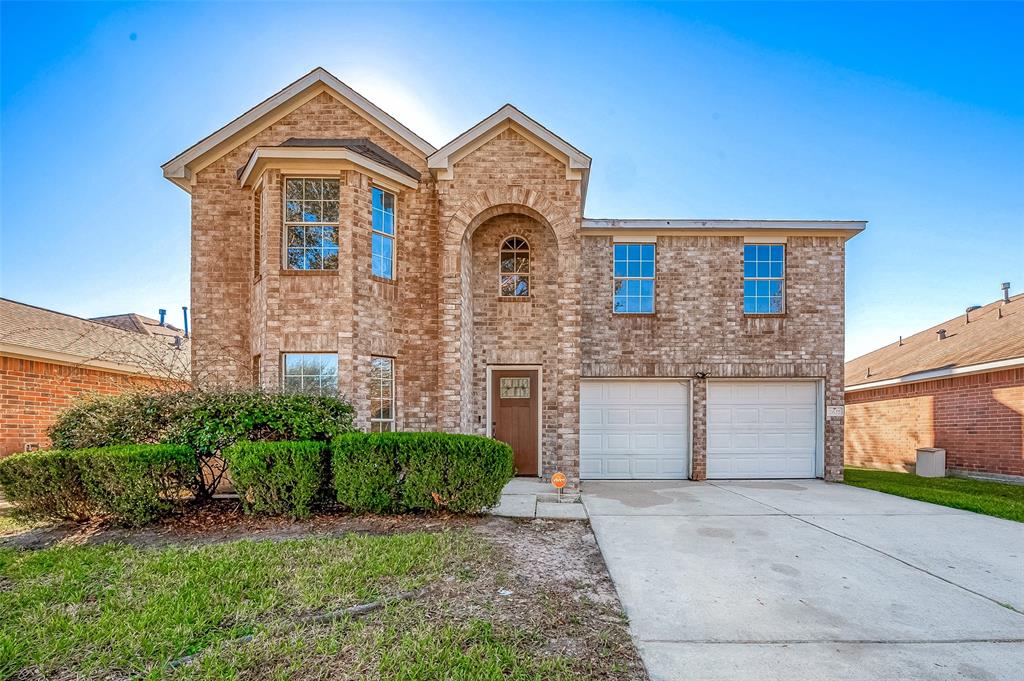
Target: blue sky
x,y
907,115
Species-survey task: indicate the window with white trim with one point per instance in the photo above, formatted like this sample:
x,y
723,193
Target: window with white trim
x,y
382,395
383,233
764,278
633,279
514,268
309,372
311,223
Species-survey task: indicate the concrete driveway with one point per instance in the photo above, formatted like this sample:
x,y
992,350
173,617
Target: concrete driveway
x,y
804,579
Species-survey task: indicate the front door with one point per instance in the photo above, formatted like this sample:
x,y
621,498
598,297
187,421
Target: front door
x,y
514,414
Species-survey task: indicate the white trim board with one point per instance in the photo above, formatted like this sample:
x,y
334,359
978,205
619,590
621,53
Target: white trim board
x,y
936,374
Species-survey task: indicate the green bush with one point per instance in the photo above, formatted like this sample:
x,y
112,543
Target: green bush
x,y
136,484
278,478
207,422
46,484
397,472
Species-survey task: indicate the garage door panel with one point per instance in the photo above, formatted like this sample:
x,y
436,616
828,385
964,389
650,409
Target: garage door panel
x,y
641,430
762,429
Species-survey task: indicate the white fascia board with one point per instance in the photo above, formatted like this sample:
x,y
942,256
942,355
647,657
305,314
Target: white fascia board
x,y
945,372
442,158
330,157
176,169
730,225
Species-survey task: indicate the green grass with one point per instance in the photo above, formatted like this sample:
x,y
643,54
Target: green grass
x,y
998,499
116,610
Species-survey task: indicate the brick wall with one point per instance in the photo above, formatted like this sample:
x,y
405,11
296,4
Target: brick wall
x,y
32,393
978,420
699,324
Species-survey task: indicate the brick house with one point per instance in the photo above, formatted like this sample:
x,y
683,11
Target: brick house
x,y
48,360
461,289
958,385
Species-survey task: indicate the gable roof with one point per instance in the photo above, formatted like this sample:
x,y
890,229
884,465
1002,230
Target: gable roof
x,y
359,145
37,333
993,339
507,116
181,168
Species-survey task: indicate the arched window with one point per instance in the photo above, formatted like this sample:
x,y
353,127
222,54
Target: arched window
x,y
514,268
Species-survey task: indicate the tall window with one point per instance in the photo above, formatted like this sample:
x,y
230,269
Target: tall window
x,y
311,373
311,223
382,395
514,268
764,278
383,233
634,279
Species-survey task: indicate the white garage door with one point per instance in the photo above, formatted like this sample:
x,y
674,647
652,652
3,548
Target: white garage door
x,y
634,429
762,429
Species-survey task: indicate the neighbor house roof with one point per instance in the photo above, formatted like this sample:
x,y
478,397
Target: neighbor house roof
x,y
992,340
32,332
140,324
183,167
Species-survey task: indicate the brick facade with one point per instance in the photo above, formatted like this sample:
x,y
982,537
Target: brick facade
x,y
978,420
33,392
442,319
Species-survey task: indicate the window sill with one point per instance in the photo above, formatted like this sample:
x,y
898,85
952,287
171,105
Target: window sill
x,y
383,280
515,299
309,273
634,314
757,315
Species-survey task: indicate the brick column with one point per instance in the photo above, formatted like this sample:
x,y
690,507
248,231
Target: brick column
x,y
699,426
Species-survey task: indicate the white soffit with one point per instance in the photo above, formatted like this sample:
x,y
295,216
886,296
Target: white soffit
x,y
577,164
181,168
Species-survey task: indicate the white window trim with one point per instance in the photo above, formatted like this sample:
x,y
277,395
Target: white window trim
x,y
785,256
394,397
652,278
393,237
285,224
529,272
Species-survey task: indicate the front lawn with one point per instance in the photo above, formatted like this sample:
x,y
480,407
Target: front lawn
x,y
118,610
998,499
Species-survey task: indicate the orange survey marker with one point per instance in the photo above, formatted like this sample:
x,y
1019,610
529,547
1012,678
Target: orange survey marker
x,y
558,480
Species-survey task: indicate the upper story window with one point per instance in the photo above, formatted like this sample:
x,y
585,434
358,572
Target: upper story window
x,y
383,249
634,279
307,372
311,223
764,278
382,395
514,268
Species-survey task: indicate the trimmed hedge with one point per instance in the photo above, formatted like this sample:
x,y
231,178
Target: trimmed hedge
x,y
134,484
45,484
398,472
278,478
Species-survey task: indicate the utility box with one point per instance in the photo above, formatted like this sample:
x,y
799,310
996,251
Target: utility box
x,y
931,462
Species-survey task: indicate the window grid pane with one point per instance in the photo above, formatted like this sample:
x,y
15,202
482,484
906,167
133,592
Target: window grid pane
x,y
514,268
313,373
764,284
382,258
633,273
382,394
311,223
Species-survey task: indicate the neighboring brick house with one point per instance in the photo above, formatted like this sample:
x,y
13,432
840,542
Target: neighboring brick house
x,y
461,289
48,360
958,385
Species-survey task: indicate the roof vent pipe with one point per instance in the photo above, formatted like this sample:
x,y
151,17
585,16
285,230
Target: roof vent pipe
x,y
1006,292
968,311
942,334
163,317
184,311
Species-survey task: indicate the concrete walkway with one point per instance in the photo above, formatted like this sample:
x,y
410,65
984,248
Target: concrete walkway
x,y
533,498
794,580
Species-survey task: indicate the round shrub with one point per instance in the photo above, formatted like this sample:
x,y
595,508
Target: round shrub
x,y
397,472
278,478
45,484
136,484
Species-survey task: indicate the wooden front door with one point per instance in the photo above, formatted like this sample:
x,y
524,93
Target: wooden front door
x,y
514,414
